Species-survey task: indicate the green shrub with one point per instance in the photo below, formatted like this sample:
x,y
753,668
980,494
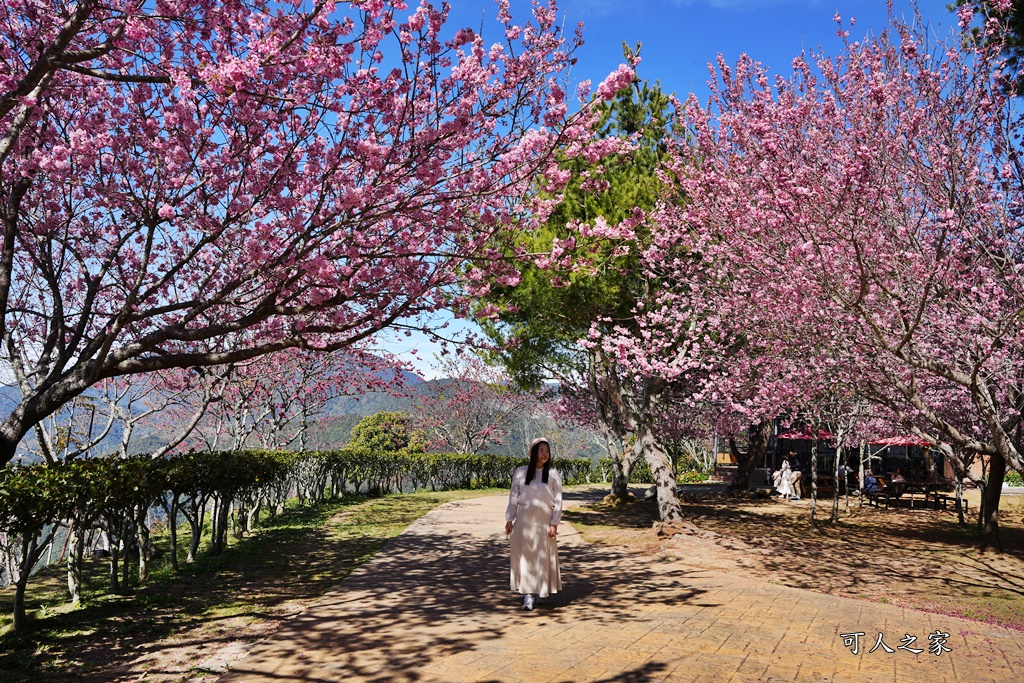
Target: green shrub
x,y
1014,478
691,477
641,473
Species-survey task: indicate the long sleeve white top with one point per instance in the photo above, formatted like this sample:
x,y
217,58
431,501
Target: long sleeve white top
x,y
536,494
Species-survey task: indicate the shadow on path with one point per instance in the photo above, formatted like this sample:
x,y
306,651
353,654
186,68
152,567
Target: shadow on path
x,y
434,605
440,590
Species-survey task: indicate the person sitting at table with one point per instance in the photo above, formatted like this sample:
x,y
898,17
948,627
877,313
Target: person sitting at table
x,y
870,482
898,480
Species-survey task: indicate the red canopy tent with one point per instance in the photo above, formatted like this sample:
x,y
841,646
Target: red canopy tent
x,y
904,440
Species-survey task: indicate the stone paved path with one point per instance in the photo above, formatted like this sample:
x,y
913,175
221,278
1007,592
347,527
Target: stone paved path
x,y
434,605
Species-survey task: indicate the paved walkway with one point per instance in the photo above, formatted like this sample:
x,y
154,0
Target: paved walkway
x,y
434,605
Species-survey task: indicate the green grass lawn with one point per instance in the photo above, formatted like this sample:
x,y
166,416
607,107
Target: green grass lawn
x,y
167,626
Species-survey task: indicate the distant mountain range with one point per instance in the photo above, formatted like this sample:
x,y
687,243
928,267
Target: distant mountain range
x,y
332,429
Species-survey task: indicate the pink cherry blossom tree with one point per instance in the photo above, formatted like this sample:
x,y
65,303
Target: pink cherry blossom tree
x,y
187,184
273,401
472,406
859,221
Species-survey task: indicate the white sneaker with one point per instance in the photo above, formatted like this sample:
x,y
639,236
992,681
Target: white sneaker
x,y
528,603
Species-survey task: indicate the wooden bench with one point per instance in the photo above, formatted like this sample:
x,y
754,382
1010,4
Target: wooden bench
x,y
944,499
880,493
891,493
887,492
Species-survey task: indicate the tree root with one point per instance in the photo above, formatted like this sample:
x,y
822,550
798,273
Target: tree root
x,y
616,500
670,529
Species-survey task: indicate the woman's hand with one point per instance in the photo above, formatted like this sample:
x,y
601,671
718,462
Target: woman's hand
x,y
552,531
508,527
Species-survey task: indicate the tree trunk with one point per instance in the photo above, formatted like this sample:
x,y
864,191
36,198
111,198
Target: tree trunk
x,y
814,475
28,552
620,478
13,430
835,480
860,473
622,468
846,485
142,537
196,522
226,519
220,542
746,464
933,470
989,512
241,517
959,489
76,538
669,509
960,466
215,525
115,585
20,614
622,460
126,564
252,519
172,527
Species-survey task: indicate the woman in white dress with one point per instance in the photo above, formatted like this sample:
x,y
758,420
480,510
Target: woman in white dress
x,y
532,517
784,488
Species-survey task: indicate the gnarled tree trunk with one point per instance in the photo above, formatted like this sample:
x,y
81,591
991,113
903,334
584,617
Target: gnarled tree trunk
x,y
669,509
988,515
747,462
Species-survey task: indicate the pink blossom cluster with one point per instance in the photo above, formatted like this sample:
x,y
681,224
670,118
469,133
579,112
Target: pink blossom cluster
x,y
201,183
849,234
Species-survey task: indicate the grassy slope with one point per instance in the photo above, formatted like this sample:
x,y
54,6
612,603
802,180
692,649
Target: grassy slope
x,y
169,627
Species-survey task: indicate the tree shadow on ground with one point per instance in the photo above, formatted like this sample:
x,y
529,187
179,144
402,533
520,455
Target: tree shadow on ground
x,y
650,671
435,595
919,558
260,581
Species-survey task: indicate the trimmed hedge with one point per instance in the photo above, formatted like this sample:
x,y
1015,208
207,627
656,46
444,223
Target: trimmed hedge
x,y
641,472
115,489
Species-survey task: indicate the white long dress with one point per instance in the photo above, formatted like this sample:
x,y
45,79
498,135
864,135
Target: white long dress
x,y
533,508
786,488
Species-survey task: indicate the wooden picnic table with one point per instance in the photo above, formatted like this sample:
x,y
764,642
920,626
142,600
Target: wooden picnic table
x,y
922,487
892,491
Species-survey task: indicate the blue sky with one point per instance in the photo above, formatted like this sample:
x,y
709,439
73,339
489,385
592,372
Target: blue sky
x,y
679,38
